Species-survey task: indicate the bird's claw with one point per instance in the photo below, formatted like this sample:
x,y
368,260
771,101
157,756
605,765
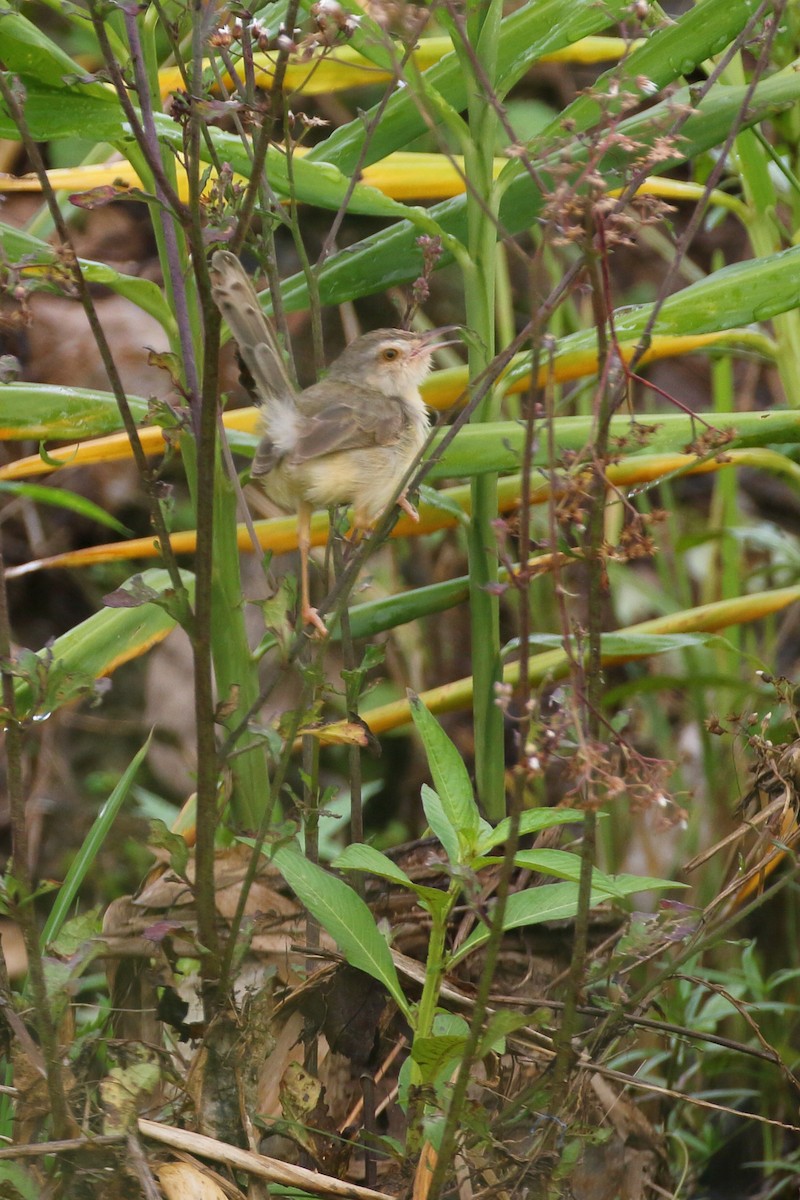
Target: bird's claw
x,y
407,507
312,617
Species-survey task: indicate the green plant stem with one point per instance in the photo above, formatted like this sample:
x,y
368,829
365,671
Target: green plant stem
x,y
765,232
208,472
435,970
482,33
353,682
447,1145
19,872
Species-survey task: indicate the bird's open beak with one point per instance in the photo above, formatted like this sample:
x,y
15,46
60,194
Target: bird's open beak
x,y
434,339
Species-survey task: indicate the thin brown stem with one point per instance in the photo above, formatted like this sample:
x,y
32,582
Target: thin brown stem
x,y
20,873
149,480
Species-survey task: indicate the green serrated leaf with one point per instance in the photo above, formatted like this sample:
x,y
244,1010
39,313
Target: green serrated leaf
x,y
436,1054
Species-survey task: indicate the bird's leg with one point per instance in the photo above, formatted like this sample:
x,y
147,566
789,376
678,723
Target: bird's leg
x,y
407,507
310,615
359,529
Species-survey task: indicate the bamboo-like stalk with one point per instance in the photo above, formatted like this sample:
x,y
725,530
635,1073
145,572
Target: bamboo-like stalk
x,y
479,38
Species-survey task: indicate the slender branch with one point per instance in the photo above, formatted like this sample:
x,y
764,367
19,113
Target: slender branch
x,y
20,872
149,480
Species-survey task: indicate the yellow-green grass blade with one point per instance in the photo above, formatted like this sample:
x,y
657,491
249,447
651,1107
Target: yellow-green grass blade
x,y
93,649
555,664
279,534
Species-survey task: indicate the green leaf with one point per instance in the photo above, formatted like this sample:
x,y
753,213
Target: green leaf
x,y
97,646
392,257
441,827
559,863
60,498
17,1184
629,646
28,51
536,28
23,248
498,1027
554,902
43,410
308,181
533,820
436,1054
360,857
450,777
90,847
343,915
498,445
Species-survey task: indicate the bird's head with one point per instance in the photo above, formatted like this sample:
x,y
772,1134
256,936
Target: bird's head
x,y
393,361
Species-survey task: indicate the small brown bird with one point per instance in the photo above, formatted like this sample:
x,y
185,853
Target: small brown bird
x,y
348,439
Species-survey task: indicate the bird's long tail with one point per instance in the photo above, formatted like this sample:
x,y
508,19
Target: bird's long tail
x,y
255,337
260,353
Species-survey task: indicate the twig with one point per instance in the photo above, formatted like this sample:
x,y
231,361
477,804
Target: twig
x,y
62,1146
148,478
259,1165
141,1168
20,872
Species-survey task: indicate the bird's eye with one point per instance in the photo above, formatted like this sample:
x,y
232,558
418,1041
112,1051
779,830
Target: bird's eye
x,y
390,354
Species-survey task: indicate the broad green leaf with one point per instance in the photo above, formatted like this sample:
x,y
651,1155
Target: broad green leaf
x,y
23,249
436,1054
434,1051
28,51
559,863
392,258
53,112
60,498
17,1184
554,902
441,826
308,181
43,410
360,857
450,776
96,647
533,820
498,446
536,28
344,916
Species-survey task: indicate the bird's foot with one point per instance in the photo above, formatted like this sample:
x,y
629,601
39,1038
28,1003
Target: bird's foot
x,y
357,533
311,617
407,507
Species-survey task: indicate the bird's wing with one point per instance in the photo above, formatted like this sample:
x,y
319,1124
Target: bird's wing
x,y
258,346
366,418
